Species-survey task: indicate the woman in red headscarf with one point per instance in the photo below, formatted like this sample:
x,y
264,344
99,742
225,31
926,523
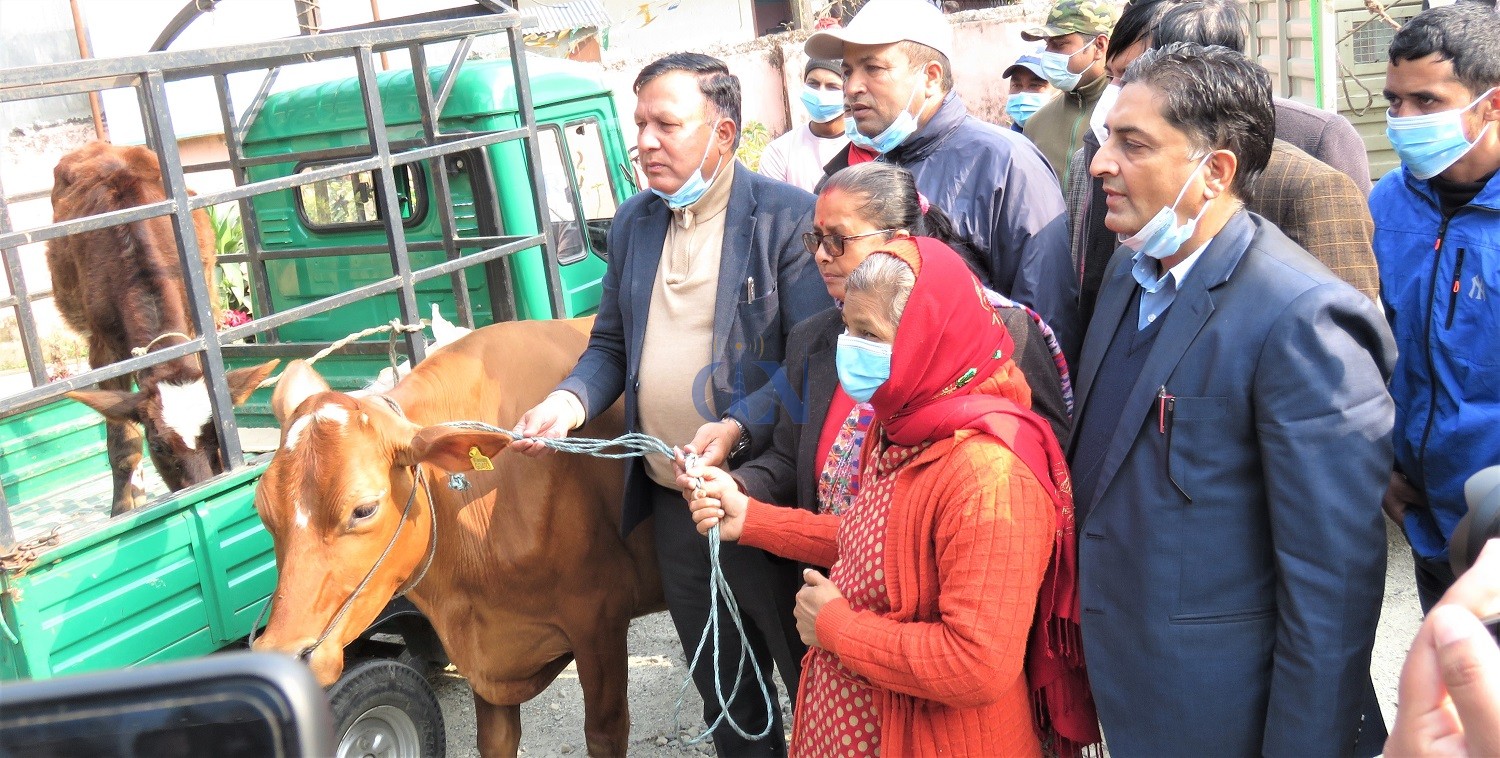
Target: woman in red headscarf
x,y
948,622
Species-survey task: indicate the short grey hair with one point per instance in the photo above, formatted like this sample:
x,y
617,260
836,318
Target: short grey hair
x,y
886,278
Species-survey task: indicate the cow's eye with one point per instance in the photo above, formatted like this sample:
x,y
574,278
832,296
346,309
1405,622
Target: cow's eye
x,y
362,512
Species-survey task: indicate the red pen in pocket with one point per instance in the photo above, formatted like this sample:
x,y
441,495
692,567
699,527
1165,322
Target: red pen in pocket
x,y
1164,404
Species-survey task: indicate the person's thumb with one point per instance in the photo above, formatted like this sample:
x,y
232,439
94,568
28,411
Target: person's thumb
x,y
1470,663
813,578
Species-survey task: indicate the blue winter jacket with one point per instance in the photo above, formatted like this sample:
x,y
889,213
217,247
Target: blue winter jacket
x,y
1440,282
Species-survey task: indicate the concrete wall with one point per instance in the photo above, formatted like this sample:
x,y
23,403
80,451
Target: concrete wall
x,y
770,68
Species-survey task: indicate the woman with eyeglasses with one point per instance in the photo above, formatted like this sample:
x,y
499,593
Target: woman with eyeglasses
x,y
813,460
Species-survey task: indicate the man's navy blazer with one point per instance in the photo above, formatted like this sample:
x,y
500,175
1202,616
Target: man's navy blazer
x,y
763,228
1232,557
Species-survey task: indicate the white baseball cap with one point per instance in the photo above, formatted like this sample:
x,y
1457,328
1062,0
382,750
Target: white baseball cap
x,y
882,22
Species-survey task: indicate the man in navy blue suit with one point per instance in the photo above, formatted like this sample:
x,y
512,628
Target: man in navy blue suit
x,y
1233,443
707,275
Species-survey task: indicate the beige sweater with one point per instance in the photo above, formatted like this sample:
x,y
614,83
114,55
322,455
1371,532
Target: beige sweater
x,y
678,345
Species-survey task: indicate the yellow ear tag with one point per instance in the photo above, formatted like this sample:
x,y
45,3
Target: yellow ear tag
x,y
479,461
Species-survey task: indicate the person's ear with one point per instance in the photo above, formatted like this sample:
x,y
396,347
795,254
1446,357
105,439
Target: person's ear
x,y
1223,165
932,78
724,132
1493,101
901,234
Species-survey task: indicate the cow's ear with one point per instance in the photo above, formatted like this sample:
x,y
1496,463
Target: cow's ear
x,y
297,383
244,381
454,449
115,405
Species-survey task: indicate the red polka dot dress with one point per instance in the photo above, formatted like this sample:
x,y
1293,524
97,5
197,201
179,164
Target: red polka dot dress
x,y
838,717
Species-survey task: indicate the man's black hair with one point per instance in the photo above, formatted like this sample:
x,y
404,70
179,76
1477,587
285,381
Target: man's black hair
x,y
1204,22
1466,34
1219,98
1136,23
719,87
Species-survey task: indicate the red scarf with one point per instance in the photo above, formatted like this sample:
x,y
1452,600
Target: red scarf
x,y
950,341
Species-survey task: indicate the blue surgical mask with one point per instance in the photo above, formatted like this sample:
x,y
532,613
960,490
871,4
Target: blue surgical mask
x,y
695,186
888,140
1055,68
1021,105
1162,235
863,366
822,105
1430,143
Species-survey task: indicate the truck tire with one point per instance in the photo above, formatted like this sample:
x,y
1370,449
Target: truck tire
x,y
386,709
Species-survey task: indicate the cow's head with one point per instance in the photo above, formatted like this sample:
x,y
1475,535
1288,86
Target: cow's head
x,y
175,412
333,497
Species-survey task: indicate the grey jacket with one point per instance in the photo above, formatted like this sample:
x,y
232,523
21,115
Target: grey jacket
x,y
763,227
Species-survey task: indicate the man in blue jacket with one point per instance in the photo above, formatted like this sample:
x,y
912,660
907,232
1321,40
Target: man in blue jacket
x,y
996,186
1437,240
1232,441
707,275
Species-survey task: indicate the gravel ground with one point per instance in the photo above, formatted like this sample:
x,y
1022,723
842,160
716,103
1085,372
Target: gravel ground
x,y
552,724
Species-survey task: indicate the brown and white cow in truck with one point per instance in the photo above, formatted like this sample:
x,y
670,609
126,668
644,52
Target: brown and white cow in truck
x,y
122,286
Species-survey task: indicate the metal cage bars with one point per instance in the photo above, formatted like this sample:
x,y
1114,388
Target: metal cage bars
x,y
149,74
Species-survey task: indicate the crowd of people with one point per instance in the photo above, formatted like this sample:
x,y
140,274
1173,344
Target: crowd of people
x,y
1024,438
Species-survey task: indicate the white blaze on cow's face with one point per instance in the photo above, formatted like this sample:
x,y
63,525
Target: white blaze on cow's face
x,y
329,412
186,409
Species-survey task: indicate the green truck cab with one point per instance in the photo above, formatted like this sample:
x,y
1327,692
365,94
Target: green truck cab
x,y
190,573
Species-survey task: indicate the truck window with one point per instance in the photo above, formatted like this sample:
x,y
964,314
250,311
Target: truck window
x,y
595,187
562,208
353,201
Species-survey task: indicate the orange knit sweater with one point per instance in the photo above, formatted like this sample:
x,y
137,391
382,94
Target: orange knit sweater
x,y
967,541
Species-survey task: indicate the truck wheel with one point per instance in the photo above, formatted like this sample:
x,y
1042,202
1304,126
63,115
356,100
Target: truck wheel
x,y
384,709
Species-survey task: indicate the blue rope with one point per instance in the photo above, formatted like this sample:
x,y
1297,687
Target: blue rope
x,y
635,445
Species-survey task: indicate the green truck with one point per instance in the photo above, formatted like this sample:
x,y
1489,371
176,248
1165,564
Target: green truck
x,y
506,174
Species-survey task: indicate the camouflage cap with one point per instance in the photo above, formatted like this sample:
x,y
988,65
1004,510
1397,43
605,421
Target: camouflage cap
x,y
1089,17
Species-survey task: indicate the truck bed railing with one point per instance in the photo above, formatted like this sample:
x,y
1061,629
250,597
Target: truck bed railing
x,y
149,73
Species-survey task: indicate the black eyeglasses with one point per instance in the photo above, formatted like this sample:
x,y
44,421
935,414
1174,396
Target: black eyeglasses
x,y
835,242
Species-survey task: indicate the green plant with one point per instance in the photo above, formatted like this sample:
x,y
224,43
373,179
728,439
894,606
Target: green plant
x,y
753,141
229,239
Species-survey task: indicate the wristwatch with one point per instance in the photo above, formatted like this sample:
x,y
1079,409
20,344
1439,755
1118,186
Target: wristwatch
x,y
743,443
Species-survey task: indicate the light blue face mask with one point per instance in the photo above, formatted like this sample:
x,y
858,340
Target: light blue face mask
x,y
1055,68
888,140
1430,143
1162,235
822,105
1021,105
695,186
863,366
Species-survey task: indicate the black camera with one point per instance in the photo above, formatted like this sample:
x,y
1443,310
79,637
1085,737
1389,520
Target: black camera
x,y
1480,525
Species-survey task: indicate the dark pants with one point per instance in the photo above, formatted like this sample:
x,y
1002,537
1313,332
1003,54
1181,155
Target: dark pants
x,y
766,589
1433,579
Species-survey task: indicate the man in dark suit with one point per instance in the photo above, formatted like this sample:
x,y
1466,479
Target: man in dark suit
x,y
1232,445
706,277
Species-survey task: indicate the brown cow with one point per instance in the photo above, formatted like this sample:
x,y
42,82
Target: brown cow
x,y
122,287
528,571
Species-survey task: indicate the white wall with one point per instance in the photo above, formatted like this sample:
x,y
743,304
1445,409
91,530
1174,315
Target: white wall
x,y
650,28
34,32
